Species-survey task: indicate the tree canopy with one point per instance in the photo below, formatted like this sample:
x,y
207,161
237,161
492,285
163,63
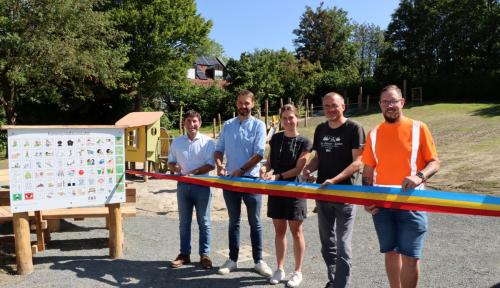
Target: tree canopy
x,y
164,36
56,52
451,46
323,36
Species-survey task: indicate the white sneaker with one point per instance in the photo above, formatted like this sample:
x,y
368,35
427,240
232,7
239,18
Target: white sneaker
x,y
278,276
295,280
262,268
227,267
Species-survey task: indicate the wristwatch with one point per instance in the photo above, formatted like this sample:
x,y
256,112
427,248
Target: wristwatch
x,y
420,175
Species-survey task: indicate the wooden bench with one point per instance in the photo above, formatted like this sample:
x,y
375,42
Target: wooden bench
x,y
49,221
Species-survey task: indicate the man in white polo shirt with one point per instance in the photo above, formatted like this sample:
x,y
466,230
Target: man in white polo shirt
x,y
191,154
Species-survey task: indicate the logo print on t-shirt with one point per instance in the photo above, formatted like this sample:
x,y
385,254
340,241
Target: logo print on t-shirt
x,y
329,142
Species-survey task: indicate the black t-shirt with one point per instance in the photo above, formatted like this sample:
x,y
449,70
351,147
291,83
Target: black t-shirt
x,y
285,152
334,148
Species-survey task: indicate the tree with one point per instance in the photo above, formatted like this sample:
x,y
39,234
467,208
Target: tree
x,y
451,46
212,48
164,36
339,80
369,39
55,52
323,36
300,80
260,72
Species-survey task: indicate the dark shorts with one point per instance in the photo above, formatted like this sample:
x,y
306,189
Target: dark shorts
x,y
401,231
286,208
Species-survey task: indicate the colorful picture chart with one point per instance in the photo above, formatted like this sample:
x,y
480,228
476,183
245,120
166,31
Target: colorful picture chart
x,y
67,167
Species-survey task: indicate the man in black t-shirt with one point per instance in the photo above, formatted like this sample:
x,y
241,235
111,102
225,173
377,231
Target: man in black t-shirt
x,y
338,144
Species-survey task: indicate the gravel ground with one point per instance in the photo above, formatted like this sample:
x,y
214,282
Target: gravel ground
x,y
461,251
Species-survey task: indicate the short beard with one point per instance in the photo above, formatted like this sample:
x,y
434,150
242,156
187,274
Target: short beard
x,y
391,120
244,114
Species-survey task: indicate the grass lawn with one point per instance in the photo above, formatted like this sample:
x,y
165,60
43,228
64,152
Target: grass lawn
x,y
467,138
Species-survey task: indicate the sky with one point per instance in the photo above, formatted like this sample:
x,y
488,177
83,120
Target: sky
x,y
245,25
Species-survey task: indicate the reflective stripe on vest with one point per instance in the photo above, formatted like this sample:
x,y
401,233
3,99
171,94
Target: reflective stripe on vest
x,y
415,143
373,136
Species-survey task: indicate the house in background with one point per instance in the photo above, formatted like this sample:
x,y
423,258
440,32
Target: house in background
x,y
208,71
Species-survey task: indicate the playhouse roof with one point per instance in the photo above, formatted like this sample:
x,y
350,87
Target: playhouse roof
x,y
135,119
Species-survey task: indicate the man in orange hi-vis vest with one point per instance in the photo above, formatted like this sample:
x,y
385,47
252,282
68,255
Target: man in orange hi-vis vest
x,y
399,152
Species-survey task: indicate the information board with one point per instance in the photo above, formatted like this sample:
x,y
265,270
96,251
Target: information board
x,y
65,167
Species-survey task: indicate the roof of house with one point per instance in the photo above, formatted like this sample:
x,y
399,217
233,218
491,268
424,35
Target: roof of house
x,y
135,119
206,60
209,61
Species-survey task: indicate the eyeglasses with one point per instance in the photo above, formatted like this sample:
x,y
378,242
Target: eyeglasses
x,y
389,102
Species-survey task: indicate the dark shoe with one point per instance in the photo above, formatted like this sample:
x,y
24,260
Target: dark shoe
x,y
315,210
180,260
329,285
205,262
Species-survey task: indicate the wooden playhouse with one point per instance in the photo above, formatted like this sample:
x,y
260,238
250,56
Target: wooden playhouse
x,y
141,138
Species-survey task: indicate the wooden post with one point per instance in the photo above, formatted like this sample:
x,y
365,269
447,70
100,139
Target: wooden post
x,y
289,100
367,102
259,114
307,112
281,103
234,114
54,225
347,102
115,231
312,107
404,88
24,257
180,122
220,122
40,239
146,169
215,128
266,107
360,98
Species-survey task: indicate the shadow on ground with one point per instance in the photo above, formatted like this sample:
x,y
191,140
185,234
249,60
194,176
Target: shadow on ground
x,y
70,227
8,257
492,111
78,244
129,273
165,191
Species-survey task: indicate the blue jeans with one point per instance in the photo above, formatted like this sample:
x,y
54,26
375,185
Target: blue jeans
x,y
254,203
401,231
199,197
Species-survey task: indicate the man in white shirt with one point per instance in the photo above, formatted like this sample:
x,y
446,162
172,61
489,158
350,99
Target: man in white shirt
x,y
191,154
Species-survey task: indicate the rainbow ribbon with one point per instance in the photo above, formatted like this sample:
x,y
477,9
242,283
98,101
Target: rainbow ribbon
x,y
387,197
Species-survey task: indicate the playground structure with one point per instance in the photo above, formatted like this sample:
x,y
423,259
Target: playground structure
x,y
142,135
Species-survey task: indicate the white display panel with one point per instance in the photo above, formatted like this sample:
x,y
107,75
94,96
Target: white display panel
x,y
65,167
